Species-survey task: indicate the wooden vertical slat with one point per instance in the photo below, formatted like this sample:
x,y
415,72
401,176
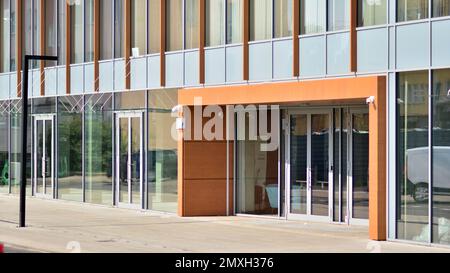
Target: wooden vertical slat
x,y
19,47
127,45
96,43
295,40
163,44
245,38
68,46
202,41
353,35
42,44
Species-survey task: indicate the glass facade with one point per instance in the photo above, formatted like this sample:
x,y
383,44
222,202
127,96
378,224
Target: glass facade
x,y
138,28
312,16
106,29
338,15
260,20
61,32
412,156
235,10
4,150
51,29
76,31
371,13
5,26
174,25
192,24
154,26
408,10
214,24
70,159
283,18
119,28
441,8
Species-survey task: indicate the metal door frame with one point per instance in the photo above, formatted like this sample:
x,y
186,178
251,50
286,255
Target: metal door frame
x,y
43,118
308,216
129,115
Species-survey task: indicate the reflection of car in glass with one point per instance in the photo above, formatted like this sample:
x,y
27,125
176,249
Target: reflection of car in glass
x,y
417,172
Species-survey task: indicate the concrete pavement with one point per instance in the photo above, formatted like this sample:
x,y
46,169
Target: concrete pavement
x,y
59,226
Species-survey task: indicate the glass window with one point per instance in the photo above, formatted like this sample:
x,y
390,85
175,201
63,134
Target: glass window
x,y
312,16
408,10
129,100
76,28
13,35
138,28
260,19
154,26
372,12
27,27
5,27
441,8
412,156
257,170
51,29
98,149
235,14
4,151
283,18
89,30
106,31
118,29
36,27
338,15
61,32
69,148
214,26
192,24
441,156
174,28
162,155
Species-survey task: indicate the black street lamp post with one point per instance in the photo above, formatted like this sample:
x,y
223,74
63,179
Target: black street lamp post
x,y
23,167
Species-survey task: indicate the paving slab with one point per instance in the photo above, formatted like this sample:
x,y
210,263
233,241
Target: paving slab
x,y
61,226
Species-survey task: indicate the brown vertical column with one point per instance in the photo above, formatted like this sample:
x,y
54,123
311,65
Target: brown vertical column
x,y
295,40
19,46
162,68
42,44
245,38
68,46
127,45
202,42
96,43
353,38
377,164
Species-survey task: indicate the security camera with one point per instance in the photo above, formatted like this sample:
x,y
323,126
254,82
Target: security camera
x,y
370,100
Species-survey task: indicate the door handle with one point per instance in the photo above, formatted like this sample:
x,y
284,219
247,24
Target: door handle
x,y
43,166
309,175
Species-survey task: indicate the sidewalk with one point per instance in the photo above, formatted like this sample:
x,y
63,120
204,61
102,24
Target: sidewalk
x,y
58,226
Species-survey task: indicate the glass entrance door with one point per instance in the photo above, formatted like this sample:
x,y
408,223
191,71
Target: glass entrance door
x,y
129,160
43,178
309,168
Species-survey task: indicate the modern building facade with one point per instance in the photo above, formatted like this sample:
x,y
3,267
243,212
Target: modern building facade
x,y
357,93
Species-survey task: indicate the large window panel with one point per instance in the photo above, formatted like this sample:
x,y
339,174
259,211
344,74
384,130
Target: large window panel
x,y
154,26
312,16
214,29
235,15
338,15
162,154
5,27
12,40
412,156
51,28
192,24
260,20
441,8
69,148
76,28
4,152
372,12
174,28
106,29
138,28
119,29
441,156
89,30
98,149
408,10
283,18
61,32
